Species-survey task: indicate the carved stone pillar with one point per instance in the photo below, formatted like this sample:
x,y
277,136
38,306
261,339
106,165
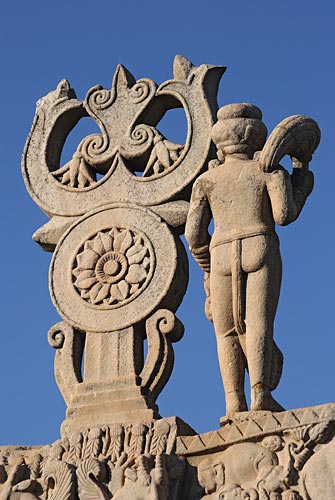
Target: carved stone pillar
x,y
119,270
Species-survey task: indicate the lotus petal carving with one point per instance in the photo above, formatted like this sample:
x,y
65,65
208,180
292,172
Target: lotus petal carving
x,y
112,267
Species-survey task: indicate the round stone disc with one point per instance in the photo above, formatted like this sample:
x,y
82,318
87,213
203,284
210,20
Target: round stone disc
x,y
114,266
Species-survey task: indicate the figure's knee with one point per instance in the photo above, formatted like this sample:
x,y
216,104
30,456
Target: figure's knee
x,y
225,331
223,319
260,325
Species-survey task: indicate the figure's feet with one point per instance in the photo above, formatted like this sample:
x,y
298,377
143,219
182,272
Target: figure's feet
x,y
235,402
261,399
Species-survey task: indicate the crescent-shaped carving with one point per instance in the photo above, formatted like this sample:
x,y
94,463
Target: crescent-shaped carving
x,y
297,136
193,88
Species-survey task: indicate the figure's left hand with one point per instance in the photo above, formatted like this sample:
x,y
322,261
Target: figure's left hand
x,y
304,179
301,165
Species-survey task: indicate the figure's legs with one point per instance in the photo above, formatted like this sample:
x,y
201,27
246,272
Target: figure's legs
x,y
232,366
262,294
231,357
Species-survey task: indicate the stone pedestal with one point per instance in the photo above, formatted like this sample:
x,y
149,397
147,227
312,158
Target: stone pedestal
x,y
112,390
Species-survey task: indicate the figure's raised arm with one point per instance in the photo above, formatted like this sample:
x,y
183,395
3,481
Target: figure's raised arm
x,y
196,230
288,193
297,136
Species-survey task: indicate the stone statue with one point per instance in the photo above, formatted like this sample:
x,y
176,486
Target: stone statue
x,y
118,274
246,193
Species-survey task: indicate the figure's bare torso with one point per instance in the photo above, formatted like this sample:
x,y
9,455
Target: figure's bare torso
x,y
237,194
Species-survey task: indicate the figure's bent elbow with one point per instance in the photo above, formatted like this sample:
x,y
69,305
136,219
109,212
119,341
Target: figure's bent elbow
x,y
196,236
189,235
192,235
285,217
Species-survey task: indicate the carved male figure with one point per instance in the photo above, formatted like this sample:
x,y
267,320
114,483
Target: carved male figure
x,y
242,257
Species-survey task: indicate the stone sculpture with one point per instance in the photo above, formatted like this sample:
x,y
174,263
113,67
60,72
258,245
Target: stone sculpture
x,y
119,271
246,192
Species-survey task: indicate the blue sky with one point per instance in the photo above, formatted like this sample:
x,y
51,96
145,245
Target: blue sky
x,y
280,57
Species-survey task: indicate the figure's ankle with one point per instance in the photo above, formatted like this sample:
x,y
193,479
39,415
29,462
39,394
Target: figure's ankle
x,y
262,399
235,402
259,396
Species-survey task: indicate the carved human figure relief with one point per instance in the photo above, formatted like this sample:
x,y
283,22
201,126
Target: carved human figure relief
x,y
246,192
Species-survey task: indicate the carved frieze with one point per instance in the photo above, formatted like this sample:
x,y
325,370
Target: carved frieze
x,y
119,461
262,456
148,462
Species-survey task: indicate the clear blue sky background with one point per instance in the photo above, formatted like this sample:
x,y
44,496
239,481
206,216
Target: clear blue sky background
x,y
280,56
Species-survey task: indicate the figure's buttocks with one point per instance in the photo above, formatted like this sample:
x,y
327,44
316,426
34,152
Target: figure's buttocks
x,y
255,252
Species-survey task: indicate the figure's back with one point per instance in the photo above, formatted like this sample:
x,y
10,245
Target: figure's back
x,y
237,194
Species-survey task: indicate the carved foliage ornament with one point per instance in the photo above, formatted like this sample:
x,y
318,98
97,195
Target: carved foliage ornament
x,y
121,462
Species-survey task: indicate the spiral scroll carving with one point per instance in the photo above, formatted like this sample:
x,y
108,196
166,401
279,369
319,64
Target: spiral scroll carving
x,y
142,134
166,323
99,98
93,148
139,141
162,329
56,337
139,92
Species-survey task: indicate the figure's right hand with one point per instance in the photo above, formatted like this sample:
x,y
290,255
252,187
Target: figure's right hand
x,y
208,303
202,257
